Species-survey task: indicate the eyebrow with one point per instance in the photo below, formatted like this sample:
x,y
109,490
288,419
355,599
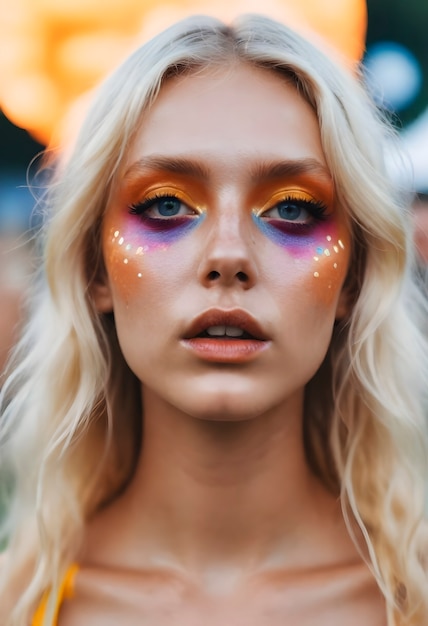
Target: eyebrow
x,y
174,165
271,170
263,171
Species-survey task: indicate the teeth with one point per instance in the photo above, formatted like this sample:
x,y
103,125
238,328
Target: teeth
x,y
221,331
216,331
234,331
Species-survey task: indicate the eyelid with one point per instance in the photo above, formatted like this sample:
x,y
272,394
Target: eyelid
x,y
293,193
159,192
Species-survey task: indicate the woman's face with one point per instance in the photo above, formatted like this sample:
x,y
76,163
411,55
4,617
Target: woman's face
x,y
224,246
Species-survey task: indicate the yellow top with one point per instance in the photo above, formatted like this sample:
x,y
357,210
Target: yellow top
x,y
66,591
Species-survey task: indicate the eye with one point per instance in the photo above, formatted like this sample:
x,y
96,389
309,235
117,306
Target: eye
x,y
162,207
297,210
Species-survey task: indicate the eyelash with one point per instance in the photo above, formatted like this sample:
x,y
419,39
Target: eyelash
x,y
139,208
316,209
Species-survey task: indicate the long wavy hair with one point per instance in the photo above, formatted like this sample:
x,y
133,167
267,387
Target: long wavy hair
x,y
64,453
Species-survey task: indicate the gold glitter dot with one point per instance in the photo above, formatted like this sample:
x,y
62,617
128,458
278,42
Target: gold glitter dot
x,y
336,249
125,261
335,266
328,237
316,258
128,246
120,241
327,252
316,274
341,244
139,274
139,250
116,233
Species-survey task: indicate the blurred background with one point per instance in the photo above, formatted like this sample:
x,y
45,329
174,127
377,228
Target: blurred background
x,y
52,52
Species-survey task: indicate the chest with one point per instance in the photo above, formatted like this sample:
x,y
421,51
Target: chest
x,y
324,600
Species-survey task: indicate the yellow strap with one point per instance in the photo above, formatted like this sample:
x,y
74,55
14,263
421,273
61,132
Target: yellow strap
x,y
65,592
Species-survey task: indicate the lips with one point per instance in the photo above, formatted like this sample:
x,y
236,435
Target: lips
x,y
222,336
230,321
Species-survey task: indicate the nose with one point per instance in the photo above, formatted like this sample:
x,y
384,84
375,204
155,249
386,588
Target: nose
x,y
228,256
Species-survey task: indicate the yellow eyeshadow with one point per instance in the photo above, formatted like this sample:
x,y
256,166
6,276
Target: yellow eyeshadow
x,y
158,192
291,193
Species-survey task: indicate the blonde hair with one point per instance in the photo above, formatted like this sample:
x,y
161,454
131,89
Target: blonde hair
x,y
63,451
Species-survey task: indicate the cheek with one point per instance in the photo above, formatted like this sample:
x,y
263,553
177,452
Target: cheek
x,y
128,245
329,260
320,261
124,259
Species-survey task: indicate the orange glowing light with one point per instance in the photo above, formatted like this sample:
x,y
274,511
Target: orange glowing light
x,y
53,51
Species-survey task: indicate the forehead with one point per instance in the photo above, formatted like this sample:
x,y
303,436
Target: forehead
x,y
229,115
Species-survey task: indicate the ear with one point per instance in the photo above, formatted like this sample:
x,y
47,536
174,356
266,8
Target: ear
x,y
101,296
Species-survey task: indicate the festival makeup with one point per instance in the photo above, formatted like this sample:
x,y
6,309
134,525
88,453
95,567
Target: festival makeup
x,y
328,252
301,218
158,209
294,220
153,211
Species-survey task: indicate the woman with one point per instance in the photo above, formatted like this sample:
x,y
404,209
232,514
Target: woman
x,y
216,413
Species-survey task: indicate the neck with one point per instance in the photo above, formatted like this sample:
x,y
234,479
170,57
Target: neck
x,y
220,492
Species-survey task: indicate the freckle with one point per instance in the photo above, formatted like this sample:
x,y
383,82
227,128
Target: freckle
x,y
128,246
316,274
120,242
139,274
335,266
320,250
327,252
116,233
139,250
341,244
328,237
336,249
125,261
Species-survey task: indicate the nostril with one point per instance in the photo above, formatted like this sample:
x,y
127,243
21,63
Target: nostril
x,y
213,275
242,277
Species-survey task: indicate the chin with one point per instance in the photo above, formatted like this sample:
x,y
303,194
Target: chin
x,y
227,405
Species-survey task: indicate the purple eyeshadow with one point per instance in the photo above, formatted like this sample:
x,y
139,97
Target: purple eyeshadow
x,y
299,239
154,233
